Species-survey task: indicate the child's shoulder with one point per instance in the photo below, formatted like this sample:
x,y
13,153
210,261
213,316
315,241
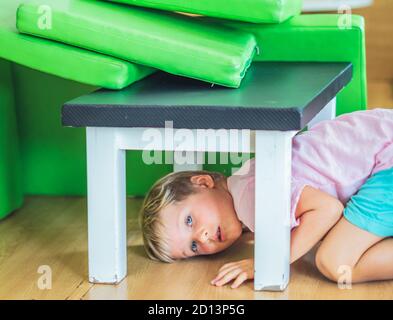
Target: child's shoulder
x,y
351,129
247,168
367,115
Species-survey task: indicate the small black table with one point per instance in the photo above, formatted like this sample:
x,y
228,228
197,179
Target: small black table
x,y
169,113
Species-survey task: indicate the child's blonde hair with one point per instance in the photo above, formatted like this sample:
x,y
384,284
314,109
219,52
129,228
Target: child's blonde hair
x,y
172,188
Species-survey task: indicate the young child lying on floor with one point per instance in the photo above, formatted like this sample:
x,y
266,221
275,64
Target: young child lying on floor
x,y
347,161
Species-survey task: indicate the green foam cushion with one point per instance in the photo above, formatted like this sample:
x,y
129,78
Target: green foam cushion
x,y
258,11
171,42
319,38
11,195
62,60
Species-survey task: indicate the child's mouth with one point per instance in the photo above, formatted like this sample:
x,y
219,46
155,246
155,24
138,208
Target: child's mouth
x,y
219,234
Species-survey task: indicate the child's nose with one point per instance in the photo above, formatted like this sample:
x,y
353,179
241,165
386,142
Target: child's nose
x,y
204,236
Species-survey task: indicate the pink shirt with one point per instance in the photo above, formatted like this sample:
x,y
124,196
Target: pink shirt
x,y
335,156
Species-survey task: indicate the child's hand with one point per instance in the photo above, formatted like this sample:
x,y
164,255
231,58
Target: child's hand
x,y
240,271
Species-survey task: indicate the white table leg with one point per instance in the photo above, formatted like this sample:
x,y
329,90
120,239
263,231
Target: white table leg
x,y
273,154
106,207
327,113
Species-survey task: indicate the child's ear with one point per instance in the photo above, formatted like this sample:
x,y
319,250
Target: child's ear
x,y
203,180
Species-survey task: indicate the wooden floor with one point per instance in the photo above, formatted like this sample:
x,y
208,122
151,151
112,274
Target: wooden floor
x,y
380,94
51,231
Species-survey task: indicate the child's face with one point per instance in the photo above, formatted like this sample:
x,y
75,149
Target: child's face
x,y
193,225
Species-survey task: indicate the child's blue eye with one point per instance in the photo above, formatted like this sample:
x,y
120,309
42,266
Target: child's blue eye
x,y
194,247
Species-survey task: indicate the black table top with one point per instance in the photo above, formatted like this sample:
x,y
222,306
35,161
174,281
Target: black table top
x,y
273,96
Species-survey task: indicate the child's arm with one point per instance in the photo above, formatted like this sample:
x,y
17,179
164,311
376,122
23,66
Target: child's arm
x,y
318,213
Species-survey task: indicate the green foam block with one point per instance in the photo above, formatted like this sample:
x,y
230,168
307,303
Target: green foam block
x,y
171,42
62,60
258,11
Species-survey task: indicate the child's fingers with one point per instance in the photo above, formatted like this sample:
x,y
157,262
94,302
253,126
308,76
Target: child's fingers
x,y
224,272
239,280
228,277
225,266
227,269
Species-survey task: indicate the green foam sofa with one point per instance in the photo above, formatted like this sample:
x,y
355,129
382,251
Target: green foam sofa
x,y
45,58
42,157
318,37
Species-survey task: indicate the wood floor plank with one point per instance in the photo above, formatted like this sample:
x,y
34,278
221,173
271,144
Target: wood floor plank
x,y
380,94
45,232
52,231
